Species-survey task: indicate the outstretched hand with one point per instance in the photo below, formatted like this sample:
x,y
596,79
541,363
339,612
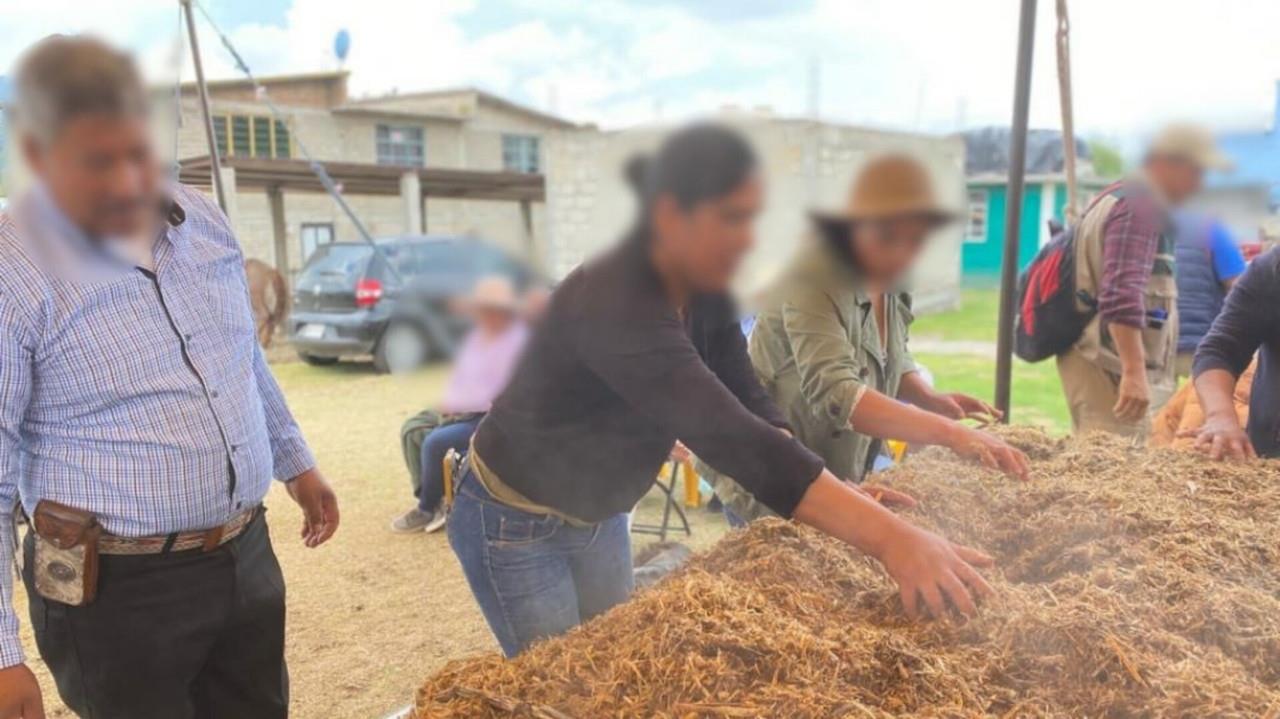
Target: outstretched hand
x,y
887,496
956,405
991,451
1222,438
929,568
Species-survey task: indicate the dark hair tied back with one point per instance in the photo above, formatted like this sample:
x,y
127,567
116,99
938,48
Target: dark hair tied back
x,y
636,173
695,164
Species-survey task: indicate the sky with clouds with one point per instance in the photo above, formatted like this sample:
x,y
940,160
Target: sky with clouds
x,y
928,65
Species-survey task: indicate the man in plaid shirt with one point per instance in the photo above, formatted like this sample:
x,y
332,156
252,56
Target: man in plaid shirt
x,y
1124,363
132,388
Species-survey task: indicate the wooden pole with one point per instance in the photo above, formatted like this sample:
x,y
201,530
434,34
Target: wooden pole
x,y
1013,205
215,162
1070,213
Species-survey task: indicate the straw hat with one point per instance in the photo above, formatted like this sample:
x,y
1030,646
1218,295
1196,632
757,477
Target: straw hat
x,y
494,292
888,187
1190,143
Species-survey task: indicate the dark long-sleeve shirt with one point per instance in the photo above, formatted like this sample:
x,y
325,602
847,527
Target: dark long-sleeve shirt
x,y
613,376
1251,321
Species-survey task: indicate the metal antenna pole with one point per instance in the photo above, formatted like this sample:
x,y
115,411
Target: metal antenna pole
x,y
1068,119
215,162
1013,207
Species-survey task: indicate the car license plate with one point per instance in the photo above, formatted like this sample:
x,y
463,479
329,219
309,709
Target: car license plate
x,y
312,331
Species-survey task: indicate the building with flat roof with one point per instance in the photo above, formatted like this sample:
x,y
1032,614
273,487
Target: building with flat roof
x,y
458,161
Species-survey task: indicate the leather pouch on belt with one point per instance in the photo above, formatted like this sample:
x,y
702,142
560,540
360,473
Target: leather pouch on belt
x,y
66,556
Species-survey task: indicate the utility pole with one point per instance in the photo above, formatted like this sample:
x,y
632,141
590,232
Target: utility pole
x,y
1068,121
215,162
1013,207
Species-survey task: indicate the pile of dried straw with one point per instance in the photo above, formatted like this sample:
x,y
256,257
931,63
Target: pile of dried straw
x,y
1131,583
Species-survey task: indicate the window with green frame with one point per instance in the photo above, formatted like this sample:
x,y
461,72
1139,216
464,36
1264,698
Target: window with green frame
x,y
251,136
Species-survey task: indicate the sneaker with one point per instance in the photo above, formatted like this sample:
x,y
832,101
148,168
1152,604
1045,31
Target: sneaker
x,y
415,520
438,520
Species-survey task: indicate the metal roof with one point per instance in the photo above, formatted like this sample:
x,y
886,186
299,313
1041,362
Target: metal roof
x,y
370,179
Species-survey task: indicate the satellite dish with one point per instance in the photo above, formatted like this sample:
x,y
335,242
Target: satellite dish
x,y
342,45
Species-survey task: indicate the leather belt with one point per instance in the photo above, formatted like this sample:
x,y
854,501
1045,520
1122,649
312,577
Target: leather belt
x,y
206,539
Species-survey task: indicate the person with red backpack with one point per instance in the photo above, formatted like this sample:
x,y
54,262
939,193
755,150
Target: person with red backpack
x,y
1123,362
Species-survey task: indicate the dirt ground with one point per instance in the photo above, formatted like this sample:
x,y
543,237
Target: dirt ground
x,y
372,613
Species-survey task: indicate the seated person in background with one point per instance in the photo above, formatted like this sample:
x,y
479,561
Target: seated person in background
x,y
1208,262
1248,323
480,370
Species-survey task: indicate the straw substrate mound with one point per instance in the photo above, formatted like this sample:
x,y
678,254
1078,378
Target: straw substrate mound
x,y
1132,583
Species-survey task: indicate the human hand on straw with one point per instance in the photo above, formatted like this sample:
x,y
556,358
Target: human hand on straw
x,y
990,450
930,568
1221,437
957,406
923,564
887,496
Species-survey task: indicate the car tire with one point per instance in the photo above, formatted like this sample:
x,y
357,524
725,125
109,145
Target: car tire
x,y
317,361
402,348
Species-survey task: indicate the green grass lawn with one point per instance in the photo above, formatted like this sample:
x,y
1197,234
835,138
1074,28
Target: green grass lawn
x,y
1037,393
975,321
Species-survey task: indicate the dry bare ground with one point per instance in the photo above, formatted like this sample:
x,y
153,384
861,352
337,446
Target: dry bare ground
x,y
372,613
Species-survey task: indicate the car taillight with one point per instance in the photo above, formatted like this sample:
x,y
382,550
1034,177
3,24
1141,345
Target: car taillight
x,y
368,292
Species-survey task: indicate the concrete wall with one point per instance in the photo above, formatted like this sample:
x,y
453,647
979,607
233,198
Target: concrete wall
x,y
807,165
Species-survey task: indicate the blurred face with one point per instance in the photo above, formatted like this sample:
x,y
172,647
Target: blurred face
x,y
1177,179
536,300
102,172
707,242
493,321
886,250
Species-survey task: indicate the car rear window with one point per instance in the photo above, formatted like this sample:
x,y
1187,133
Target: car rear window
x,y
337,262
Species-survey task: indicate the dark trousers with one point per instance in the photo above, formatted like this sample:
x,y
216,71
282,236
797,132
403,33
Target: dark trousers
x,y
172,636
455,436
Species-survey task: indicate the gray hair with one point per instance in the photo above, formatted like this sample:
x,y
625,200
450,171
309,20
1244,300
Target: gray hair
x,y
66,76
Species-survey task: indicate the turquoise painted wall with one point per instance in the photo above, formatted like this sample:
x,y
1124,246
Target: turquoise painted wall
x,y
981,260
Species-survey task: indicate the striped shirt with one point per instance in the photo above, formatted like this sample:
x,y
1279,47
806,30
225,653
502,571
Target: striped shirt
x,y
1131,237
140,396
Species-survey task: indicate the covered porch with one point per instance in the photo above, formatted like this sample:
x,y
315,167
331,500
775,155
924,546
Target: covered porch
x,y
413,185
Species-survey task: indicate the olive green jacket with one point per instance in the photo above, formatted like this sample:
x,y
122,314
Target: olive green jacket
x,y
816,349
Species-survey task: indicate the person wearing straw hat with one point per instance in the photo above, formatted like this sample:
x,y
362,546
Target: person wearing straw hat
x,y
830,342
481,369
1124,363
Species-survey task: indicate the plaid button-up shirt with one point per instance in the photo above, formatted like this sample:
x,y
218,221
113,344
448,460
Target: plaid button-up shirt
x,y
1131,237
140,396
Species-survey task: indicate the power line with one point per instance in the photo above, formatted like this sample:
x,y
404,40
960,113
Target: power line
x,y
260,91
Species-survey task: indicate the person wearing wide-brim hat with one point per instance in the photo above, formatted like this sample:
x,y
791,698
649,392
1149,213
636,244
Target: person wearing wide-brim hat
x,y
481,369
830,340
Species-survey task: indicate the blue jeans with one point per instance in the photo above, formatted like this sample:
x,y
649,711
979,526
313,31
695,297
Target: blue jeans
x,y
435,446
533,575
732,518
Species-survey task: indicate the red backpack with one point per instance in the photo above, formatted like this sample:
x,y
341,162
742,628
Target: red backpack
x,y
1049,318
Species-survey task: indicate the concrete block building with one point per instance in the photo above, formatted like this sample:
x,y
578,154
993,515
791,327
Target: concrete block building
x,y
461,162
807,164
